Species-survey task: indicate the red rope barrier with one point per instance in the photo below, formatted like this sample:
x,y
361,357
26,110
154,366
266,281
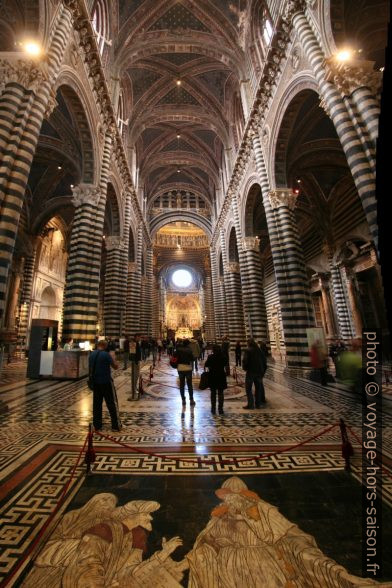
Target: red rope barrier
x,y
232,461
34,544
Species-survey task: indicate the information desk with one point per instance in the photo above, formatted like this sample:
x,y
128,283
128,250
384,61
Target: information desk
x,y
70,364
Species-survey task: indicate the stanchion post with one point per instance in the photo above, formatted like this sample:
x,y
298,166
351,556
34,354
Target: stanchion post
x,y
347,448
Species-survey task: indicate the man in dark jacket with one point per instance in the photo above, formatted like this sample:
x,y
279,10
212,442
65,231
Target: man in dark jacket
x,y
255,364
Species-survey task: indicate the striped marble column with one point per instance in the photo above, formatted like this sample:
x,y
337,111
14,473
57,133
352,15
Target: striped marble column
x,y
84,264
342,310
295,305
132,320
218,290
294,294
233,295
115,286
25,98
209,309
334,105
25,299
155,307
147,292
254,302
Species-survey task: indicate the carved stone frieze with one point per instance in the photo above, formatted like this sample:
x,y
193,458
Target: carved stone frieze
x,y
282,197
26,72
291,8
85,194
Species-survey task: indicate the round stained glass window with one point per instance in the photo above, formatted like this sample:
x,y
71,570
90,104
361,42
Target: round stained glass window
x,y
182,278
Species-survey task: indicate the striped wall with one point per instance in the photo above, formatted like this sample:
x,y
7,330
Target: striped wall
x,y
209,309
115,286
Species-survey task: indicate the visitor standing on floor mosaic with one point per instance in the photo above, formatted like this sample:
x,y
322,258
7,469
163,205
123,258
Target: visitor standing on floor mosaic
x,y
216,377
254,363
184,367
100,364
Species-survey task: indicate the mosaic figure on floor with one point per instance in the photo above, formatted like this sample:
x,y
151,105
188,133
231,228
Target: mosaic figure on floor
x,y
248,543
105,549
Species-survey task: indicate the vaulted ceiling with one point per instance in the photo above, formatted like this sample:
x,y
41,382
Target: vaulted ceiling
x,y
180,66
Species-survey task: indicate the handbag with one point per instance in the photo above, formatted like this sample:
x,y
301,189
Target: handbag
x,y
173,361
90,381
204,381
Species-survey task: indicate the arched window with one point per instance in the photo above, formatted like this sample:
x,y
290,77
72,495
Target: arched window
x,y
100,22
267,29
121,113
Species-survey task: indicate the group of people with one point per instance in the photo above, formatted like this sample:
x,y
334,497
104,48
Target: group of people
x,y
254,362
347,360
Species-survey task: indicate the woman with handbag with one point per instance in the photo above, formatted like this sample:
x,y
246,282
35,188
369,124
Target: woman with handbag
x,y
217,381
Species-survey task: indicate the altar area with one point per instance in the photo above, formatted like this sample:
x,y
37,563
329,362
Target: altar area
x,y
184,333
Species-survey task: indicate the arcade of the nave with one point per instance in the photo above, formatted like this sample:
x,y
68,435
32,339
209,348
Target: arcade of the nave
x,y
182,169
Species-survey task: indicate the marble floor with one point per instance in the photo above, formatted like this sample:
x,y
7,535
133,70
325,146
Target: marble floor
x,y
286,453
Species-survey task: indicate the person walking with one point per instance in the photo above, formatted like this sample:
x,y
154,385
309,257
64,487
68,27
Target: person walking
x,y
100,363
126,351
184,367
254,363
318,359
193,344
135,355
238,353
217,381
170,347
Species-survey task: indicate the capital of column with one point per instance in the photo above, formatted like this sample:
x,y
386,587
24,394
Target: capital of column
x,y
251,244
233,267
132,267
26,72
114,242
292,7
85,194
282,197
348,77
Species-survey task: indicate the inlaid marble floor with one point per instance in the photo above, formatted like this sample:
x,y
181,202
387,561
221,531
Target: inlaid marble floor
x,y
44,425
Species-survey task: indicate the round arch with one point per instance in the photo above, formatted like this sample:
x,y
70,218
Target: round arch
x,y
83,114
168,217
300,84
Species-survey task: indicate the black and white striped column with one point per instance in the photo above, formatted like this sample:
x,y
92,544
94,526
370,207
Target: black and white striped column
x,y
24,101
115,286
147,284
132,321
218,290
254,302
233,295
332,100
209,309
342,310
155,307
294,294
25,299
294,297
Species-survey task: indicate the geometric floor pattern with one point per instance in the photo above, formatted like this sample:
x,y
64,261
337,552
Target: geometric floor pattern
x,y
44,425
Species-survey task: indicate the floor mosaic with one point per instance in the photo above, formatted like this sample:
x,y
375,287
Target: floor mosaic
x,y
44,424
